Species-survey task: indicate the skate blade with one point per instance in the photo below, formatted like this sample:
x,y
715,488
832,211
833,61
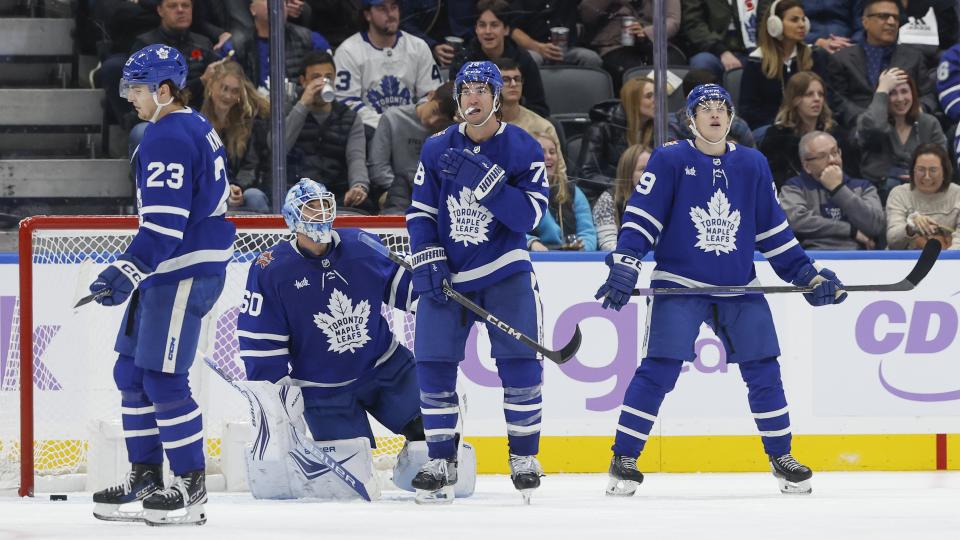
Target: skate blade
x,y
621,488
444,495
795,488
112,512
525,495
192,515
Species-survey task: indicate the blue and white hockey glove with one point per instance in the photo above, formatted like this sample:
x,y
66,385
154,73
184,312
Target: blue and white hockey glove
x,y
119,280
473,171
431,273
624,270
827,288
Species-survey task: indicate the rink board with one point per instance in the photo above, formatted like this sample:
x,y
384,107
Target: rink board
x,y
870,382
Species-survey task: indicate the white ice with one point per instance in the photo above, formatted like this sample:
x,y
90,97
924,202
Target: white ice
x,y
901,506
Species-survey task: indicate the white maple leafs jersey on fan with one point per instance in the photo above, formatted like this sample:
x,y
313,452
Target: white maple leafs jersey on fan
x,y
706,215
182,189
484,242
318,319
371,80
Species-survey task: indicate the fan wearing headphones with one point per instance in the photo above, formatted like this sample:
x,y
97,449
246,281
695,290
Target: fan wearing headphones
x,y
780,54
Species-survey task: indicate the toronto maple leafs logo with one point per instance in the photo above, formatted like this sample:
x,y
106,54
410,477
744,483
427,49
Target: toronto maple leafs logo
x,y
163,53
299,284
264,259
469,220
716,226
390,93
345,325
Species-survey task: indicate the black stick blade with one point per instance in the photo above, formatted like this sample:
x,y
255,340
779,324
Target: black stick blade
x,y
568,350
925,263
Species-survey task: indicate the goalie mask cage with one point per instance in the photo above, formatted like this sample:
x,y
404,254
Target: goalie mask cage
x,y
57,392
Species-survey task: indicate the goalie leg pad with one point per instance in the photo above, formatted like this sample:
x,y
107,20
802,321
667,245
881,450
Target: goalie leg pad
x,y
414,455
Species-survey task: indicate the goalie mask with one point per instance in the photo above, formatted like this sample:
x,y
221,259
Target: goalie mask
x,y
479,72
310,209
151,66
710,97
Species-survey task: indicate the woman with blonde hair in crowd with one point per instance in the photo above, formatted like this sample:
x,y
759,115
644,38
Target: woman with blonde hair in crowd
x,y
615,126
241,117
609,209
781,53
928,206
568,223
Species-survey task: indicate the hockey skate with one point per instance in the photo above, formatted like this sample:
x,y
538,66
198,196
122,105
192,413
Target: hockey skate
x,y
624,476
141,482
179,504
525,471
793,476
435,481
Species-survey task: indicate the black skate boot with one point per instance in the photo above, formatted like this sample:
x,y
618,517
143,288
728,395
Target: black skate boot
x,y
179,504
793,476
141,482
525,471
624,476
435,480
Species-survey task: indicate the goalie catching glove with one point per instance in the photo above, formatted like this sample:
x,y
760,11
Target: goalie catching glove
x,y
827,288
114,285
472,171
431,272
624,271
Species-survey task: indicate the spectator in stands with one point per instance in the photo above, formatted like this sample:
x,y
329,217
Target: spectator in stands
x,y
434,21
124,20
804,109
511,111
325,139
381,67
891,128
603,20
928,207
254,54
715,36
395,149
493,41
834,24
780,55
568,223
241,117
335,20
532,24
610,206
678,125
827,209
917,23
615,125
855,71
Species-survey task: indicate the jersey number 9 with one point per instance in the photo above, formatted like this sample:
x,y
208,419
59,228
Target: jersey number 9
x,y
645,185
252,303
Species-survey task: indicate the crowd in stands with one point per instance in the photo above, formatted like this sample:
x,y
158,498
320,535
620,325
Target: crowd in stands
x,y
855,103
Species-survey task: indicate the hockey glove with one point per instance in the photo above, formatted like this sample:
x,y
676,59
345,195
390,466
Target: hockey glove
x,y
431,273
624,270
473,171
114,285
827,288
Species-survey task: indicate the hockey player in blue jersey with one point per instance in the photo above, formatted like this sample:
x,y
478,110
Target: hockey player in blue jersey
x,y
703,206
173,272
479,187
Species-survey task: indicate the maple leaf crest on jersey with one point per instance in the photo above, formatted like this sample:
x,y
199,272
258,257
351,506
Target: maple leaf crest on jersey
x,y
345,325
390,94
716,226
469,220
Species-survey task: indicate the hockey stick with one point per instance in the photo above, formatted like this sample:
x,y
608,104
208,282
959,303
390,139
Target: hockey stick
x,y
920,270
559,356
326,459
91,297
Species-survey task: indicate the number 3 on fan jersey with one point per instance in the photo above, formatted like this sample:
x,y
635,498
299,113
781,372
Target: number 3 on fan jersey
x,y
645,184
541,174
157,168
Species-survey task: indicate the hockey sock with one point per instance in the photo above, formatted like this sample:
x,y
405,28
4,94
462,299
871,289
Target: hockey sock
x,y
768,404
522,403
140,431
413,431
439,406
651,382
179,420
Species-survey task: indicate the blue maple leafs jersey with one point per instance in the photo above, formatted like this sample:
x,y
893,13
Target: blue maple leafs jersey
x,y
318,319
484,242
705,215
948,82
182,190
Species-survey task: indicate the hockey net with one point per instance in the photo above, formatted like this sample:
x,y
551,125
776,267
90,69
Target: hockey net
x,y
69,355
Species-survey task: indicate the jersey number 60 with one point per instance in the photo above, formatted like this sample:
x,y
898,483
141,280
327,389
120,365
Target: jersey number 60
x,y
252,303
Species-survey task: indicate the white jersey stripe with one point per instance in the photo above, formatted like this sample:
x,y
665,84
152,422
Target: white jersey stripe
x,y
781,249
194,257
138,410
166,231
425,207
778,433
538,214
415,215
771,414
515,430
767,234
492,266
179,419
257,335
645,215
442,410
638,413
261,354
522,408
160,209
140,432
632,433
183,442
632,225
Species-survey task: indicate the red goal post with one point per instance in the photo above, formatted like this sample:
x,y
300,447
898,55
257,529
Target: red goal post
x,y
255,233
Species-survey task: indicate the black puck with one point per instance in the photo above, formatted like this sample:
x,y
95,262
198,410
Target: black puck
x,y
58,497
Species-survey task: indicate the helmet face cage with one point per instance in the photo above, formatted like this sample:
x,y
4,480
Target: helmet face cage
x,y
151,66
481,72
313,220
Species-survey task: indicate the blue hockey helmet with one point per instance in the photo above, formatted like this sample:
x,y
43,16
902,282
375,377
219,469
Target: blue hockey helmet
x,y
705,93
482,72
313,220
151,66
